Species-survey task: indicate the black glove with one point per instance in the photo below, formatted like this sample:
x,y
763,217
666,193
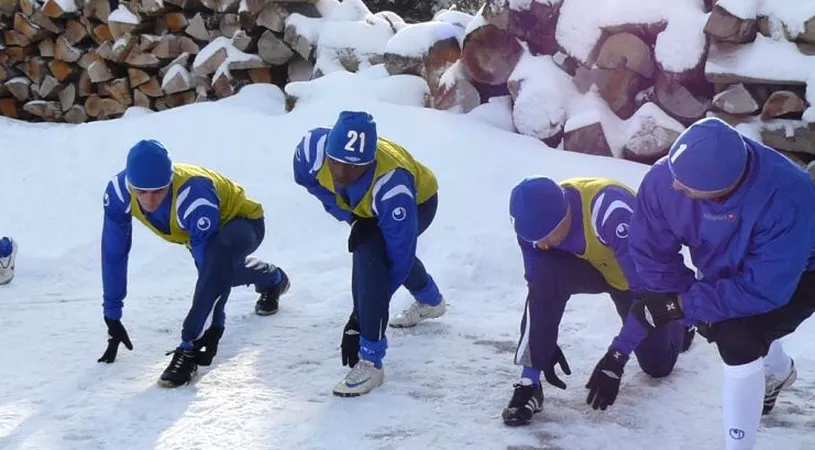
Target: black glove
x,y
350,342
558,358
116,335
207,346
656,310
359,228
604,383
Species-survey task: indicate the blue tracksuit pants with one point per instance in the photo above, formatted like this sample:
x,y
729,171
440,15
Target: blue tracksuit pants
x,y
370,284
226,265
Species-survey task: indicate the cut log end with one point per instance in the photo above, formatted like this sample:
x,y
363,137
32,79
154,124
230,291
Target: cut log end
x,y
490,55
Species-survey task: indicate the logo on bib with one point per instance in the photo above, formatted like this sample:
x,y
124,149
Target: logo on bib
x,y
622,230
399,214
203,223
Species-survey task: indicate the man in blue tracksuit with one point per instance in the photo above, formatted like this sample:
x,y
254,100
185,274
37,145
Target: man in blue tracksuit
x,y
8,255
389,198
747,214
214,218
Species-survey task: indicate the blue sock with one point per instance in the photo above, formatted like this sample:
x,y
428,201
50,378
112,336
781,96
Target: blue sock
x,y
532,374
373,351
428,295
186,345
277,277
5,247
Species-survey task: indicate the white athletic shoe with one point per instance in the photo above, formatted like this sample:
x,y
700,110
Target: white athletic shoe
x,y
418,312
7,264
363,378
773,387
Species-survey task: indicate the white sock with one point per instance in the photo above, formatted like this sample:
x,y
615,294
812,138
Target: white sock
x,y
742,400
777,362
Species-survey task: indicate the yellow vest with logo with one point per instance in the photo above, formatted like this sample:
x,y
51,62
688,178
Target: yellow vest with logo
x,y
389,156
597,254
233,202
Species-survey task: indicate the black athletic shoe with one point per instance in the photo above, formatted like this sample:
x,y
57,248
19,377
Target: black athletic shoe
x,y
207,347
526,401
269,299
181,369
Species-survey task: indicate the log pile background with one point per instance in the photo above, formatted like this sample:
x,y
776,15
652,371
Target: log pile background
x,y
76,61
624,72
67,61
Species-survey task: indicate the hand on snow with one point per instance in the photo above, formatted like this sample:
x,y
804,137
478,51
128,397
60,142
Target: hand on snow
x,y
656,310
360,228
116,335
350,342
604,383
558,358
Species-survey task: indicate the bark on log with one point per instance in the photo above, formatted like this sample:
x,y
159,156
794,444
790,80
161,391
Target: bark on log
x,y
8,107
49,111
789,135
84,85
19,88
67,97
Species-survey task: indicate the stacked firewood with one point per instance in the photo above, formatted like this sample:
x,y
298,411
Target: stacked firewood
x,y
583,76
76,60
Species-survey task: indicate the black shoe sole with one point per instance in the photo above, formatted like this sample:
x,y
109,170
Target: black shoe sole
x,y
516,421
169,384
340,394
266,313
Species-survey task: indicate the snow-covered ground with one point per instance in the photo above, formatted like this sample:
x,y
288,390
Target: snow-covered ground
x,y
270,386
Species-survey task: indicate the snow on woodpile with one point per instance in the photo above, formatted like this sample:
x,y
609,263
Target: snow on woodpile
x,y
617,78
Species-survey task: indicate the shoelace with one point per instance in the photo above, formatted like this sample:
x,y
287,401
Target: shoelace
x,y
360,371
179,359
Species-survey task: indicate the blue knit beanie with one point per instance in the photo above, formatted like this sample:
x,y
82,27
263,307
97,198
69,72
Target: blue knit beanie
x,y
149,166
536,205
352,140
709,156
